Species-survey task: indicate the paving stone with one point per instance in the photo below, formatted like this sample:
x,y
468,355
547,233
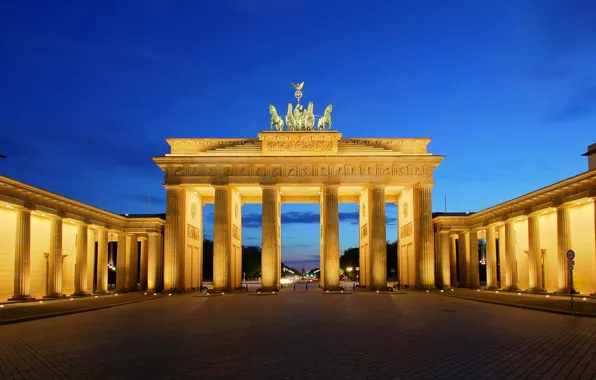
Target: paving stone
x,y
293,336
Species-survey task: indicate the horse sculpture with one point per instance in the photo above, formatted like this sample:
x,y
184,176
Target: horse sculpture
x,y
290,121
276,121
325,121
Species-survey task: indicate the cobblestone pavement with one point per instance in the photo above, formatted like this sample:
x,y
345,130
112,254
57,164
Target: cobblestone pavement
x,y
581,305
297,335
20,311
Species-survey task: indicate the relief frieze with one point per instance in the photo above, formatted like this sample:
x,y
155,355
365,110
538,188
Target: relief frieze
x,y
192,232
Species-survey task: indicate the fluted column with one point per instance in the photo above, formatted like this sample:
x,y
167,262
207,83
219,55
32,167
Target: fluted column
x,y
22,258
594,203
453,260
563,245
474,261
55,259
535,255
132,262
502,256
378,238
81,270
91,260
331,231
152,257
175,230
102,262
121,263
269,263
424,237
443,259
322,240
221,240
144,262
511,268
463,253
159,281
491,258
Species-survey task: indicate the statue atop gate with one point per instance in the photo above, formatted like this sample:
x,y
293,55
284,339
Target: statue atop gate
x,y
298,118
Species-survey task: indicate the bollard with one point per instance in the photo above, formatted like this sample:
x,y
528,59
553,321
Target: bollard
x,y
294,286
306,286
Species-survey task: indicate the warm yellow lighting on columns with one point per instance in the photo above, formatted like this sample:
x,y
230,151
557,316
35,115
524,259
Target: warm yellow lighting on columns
x,y
55,259
159,282
81,271
502,255
563,245
443,259
464,267
594,204
474,261
221,240
175,230
453,260
269,267
144,262
91,259
535,255
102,261
423,236
22,258
132,262
378,238
491,258
121,263
511,267
322,240
365,226
331,236
152,257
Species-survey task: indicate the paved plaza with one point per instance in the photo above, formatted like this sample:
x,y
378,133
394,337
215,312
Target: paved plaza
x,y
302,335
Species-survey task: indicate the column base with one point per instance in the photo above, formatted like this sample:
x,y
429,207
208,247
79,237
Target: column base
x,y
493,287
173,291
54,296
474,287
536,290
22,298
512,288
565,292
425,287
80,294
463,286
102,293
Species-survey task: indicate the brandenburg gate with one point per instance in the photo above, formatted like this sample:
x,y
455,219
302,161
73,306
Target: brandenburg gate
x,y
300,161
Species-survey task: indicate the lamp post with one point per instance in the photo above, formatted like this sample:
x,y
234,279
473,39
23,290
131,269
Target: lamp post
x,y
349,270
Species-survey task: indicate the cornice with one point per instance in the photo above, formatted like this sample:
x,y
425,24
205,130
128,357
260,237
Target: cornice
x,y
26,196
556,195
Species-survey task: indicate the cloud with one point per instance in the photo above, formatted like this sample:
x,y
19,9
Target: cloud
x,y
254,220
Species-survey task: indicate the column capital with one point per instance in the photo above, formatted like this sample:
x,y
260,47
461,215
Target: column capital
x,y
143,238
172,187
377,186
330,186
443,232
424,185
273,186
221,186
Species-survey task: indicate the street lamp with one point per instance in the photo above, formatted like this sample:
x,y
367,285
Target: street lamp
x,y
349,269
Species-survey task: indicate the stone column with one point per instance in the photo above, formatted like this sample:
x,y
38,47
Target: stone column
x,y
453,260
55,259
144,262
101,286
464,274
331,232
364,274
175,230
81,271
502,256
491,258
474,261
221,240
322,239
22,258
424,237
563,245
121,263
91,260
535,255
132,262
511,268
159,285
443,259
594,203
378,238
269,265
152,257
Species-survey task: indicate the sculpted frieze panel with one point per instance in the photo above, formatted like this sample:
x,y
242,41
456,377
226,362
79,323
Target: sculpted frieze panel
x,y
300,171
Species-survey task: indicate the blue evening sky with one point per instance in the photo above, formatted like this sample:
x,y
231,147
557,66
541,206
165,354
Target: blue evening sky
x,y
91,89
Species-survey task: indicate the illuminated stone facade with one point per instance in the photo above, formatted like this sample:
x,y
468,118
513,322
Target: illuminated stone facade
x,y
48,246
531,234
296,167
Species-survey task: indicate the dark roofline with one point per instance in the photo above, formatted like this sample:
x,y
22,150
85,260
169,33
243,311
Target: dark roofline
x,y
435,214
161,216
590,152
